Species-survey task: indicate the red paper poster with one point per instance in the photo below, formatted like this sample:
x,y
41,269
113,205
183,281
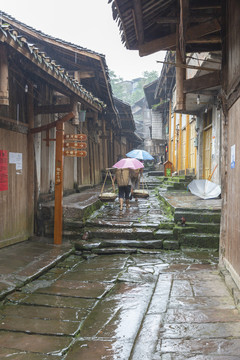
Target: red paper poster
x,y
3,170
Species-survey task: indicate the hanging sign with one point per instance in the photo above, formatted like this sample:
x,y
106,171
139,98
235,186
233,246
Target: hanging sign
x,y
3,170
78,145
77,153
76,137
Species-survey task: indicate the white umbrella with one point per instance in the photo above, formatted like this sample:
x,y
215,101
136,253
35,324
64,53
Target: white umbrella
x,y
205,189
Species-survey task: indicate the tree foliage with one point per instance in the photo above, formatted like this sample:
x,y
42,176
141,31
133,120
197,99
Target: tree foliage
x,y
131,91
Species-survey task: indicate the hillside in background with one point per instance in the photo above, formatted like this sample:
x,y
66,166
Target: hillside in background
x,y
131,91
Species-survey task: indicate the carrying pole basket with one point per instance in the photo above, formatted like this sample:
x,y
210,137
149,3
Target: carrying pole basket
x,y
108,196
141,192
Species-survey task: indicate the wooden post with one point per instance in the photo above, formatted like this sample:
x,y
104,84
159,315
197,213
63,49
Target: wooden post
x,y
58,184
187,145
105,152
4,94
169,132
180,144
174,142
180,77
31,207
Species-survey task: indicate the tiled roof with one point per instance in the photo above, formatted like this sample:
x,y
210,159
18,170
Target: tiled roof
x,y
11,36
10,18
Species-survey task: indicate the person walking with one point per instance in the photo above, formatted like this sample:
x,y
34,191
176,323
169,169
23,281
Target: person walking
x,y
135,179
123,179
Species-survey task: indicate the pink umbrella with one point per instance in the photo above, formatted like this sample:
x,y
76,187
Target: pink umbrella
x,y
128,163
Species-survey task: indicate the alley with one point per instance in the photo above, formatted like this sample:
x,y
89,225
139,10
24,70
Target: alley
x,y
122,303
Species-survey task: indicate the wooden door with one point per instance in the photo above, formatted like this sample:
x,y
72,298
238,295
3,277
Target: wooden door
x,y
207,152
183,150
192,135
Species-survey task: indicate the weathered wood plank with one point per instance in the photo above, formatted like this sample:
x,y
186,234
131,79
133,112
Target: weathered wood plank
x,y
169,41
202,82
53,109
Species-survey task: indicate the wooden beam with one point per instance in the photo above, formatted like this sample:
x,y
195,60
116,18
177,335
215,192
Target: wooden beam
x,y
167,20
169,41
138,21
51,125
86,74
206,40
202,82
205,4
53,109
194,67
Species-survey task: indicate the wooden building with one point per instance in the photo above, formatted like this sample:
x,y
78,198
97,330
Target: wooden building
x,y
188,27
156,145
44,80
127,139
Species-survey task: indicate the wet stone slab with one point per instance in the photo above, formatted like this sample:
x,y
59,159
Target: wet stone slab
x,y
13,354
85,305
210,330
191,303
94,349
75,288
103,262
40,312
34,343
139,275
220,348
182,288
147,340
119,316
152,244
202,316
172,356
103,275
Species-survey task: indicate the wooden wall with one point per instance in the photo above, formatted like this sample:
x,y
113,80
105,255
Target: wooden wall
x,y
233,39
13,202
230,225
232,205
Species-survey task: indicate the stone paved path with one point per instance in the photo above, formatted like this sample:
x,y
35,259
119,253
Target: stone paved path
x,y
157,305
147,305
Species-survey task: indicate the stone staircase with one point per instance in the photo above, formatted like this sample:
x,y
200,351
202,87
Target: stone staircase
x,y
202,220
143,226
127,236
201,229
175,182
151,224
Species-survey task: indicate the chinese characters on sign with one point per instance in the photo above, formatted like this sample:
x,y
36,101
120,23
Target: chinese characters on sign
x,y
78,145
58,174
77,153
3,170
75,147
79,137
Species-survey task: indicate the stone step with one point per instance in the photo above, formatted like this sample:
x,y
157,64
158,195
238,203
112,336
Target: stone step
x,y
132,233
177,180
210,241
210,228
72,229
198,216
123,245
